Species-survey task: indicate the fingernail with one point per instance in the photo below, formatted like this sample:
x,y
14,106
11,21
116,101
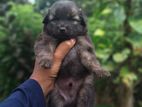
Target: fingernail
x,y
73,41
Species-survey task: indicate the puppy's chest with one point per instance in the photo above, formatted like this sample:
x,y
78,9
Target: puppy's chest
x,y
72,66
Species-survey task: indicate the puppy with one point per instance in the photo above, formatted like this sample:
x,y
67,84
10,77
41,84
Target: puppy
x,y
74,84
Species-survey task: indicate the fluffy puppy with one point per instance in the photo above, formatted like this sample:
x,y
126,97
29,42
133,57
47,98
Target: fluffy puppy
x,y
74,85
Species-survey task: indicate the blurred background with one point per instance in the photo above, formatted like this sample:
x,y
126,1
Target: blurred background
x,y
115,27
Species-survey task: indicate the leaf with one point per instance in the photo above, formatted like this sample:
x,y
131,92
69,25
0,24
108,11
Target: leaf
x,y
136,25
106,11
129,79
102,42
124,71
121,56
103,54
127,76
136,42
109,66
140,70
99,32
119,14
126,51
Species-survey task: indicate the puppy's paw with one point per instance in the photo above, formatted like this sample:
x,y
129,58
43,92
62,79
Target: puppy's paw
x,y
102,73
45,62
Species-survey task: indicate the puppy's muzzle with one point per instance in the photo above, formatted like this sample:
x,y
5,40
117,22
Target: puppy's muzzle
x,y
63,29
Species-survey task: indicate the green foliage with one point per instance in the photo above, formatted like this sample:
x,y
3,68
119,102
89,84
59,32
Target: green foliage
x,y
136,42
20,27
121,56
136,25
127,77
27,20
117,39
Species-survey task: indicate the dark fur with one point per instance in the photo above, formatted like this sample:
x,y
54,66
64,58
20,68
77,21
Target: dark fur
x,y
74,85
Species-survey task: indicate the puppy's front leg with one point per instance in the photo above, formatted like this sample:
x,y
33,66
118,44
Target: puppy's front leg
x,y
88,57
44,49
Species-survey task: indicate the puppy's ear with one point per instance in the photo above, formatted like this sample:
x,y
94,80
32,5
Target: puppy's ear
x,y
83,17
47,17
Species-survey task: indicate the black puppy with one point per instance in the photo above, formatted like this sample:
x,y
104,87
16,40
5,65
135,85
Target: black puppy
x,y
74,85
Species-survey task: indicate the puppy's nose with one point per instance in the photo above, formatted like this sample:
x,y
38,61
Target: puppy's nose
x,y
62,29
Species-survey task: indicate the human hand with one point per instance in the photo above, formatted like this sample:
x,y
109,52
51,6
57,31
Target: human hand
x,y
46,77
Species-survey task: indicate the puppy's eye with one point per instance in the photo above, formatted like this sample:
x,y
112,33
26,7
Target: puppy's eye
x,y
51,17
76,18
75,22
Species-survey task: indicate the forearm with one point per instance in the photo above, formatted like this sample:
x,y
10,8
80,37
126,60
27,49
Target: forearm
x,y
28,94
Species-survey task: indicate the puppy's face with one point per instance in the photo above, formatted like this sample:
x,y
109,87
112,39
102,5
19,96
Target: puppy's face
x,y
64,21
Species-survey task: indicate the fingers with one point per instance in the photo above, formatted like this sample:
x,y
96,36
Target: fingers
x,y
63,49
59,55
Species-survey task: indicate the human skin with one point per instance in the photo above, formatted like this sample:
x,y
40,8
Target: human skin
x,y
46,77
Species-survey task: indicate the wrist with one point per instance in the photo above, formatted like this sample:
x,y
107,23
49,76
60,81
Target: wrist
x,y
45,84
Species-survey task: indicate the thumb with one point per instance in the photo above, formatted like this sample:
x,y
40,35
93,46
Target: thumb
x,y
63,49
59,55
